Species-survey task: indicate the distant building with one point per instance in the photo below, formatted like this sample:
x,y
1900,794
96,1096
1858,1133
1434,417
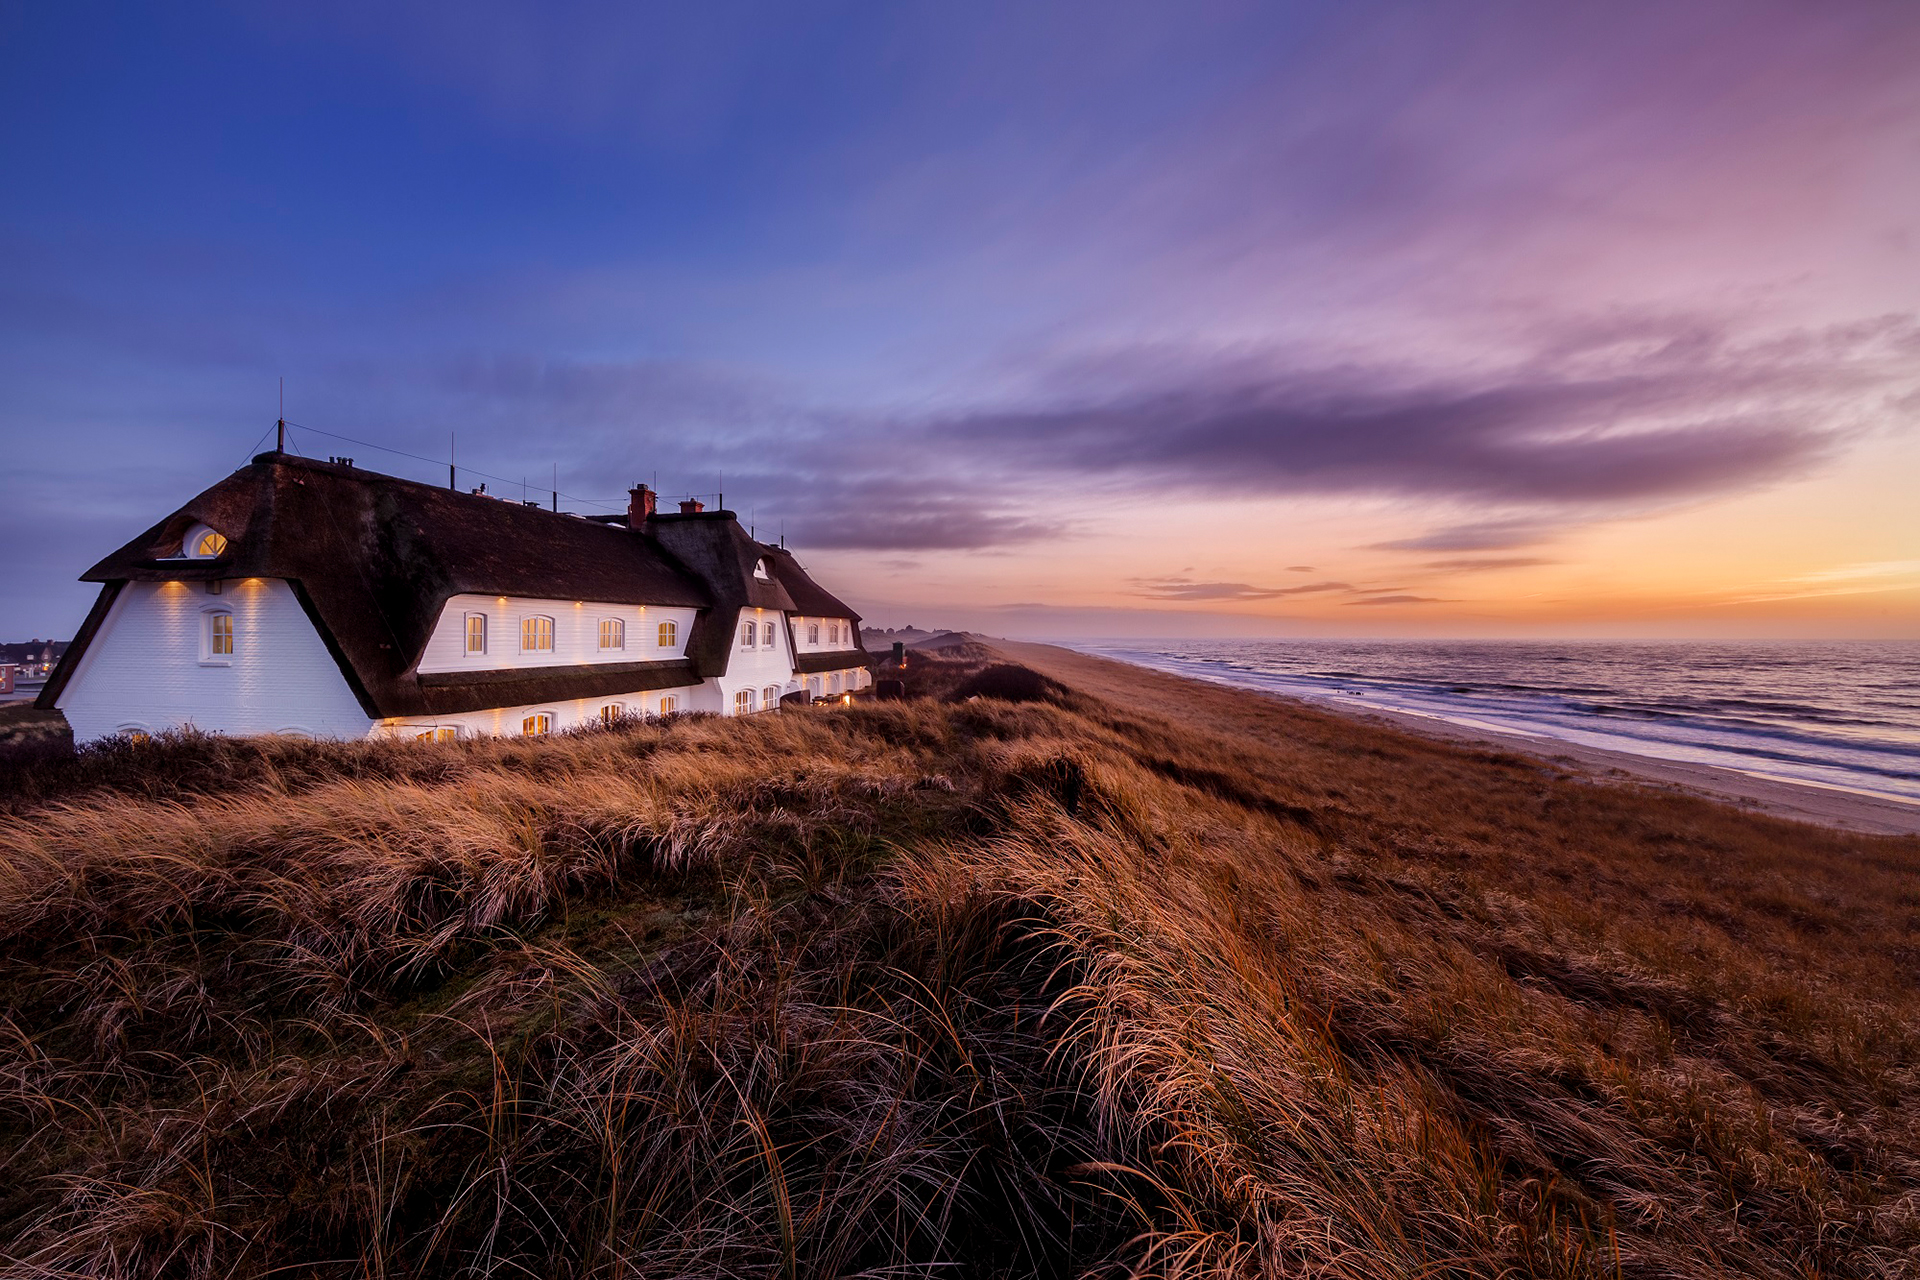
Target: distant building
x,y
317,598
34,658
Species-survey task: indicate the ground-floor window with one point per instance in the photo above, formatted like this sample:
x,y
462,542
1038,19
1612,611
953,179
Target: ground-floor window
x,y
611,713
743,702
669,704
537,724
770,696
833,685
438,733
813,686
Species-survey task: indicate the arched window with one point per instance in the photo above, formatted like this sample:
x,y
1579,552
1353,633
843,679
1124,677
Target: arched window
x,y
743,702
613,633
766,634
439,733
217,645
537,725
770,697
536,635
833,686
202,543
668,703
813,633
813,686
747,632
669,634
476,633
611,714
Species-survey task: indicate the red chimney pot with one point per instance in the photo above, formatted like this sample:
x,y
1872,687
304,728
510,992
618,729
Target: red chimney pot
x,y
640,501
690,505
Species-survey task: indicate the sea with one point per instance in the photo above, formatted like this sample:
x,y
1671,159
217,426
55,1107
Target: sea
x,y
1843,714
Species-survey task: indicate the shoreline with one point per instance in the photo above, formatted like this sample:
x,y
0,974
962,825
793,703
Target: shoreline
x,y
1822,806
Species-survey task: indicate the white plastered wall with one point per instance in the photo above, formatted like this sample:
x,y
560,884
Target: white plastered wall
x,y
567,713
576,633
147,669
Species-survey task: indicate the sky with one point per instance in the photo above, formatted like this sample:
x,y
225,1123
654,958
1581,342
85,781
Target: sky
x,y
1053,320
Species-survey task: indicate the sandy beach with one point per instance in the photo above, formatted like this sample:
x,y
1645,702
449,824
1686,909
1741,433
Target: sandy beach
x,y
1840,809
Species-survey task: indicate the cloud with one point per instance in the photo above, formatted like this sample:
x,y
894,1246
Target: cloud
x,y
1593,424
1299,568
1478,535
1400,599
1187,589
1486,565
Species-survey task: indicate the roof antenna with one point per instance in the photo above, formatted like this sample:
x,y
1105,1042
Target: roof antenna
x,y
556,488
280,427
453,482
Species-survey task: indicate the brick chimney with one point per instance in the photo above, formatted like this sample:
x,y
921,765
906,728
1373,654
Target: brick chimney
x,y
690,505
640,501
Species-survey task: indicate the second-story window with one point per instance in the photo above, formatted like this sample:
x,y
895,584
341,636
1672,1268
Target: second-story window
x,y
813,633
747,632
766,634
669,634
536,635
613,633
476,633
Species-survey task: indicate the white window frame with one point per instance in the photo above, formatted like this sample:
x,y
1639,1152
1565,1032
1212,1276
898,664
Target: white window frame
x,y
760,571
619,627
466,633
667,634
813,633
669,704
618,710
543,720
532,619
190,545
208,656
771,697
749,631
743,702
766,636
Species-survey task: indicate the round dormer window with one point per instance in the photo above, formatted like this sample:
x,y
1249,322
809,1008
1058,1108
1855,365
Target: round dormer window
x,y
203,543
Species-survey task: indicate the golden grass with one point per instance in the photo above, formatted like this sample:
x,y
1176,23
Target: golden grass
x,y
1140,978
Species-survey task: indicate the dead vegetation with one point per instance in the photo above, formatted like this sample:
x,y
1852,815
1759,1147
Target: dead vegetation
x,y
1188,984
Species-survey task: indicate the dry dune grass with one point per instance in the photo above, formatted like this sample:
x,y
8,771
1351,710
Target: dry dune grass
x,y
1162,982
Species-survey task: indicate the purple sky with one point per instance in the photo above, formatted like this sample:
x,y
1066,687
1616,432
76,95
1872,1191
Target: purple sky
x,y
1060,319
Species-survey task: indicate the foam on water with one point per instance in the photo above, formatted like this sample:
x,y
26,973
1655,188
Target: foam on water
x,y
1844,715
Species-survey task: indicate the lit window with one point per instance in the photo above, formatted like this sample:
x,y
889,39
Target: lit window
x,y
669,634
537,725
668,703
743,702
219,635
770,697
440,733
536,635
476,633
813,633
210,545
747,633
613,633
611,713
